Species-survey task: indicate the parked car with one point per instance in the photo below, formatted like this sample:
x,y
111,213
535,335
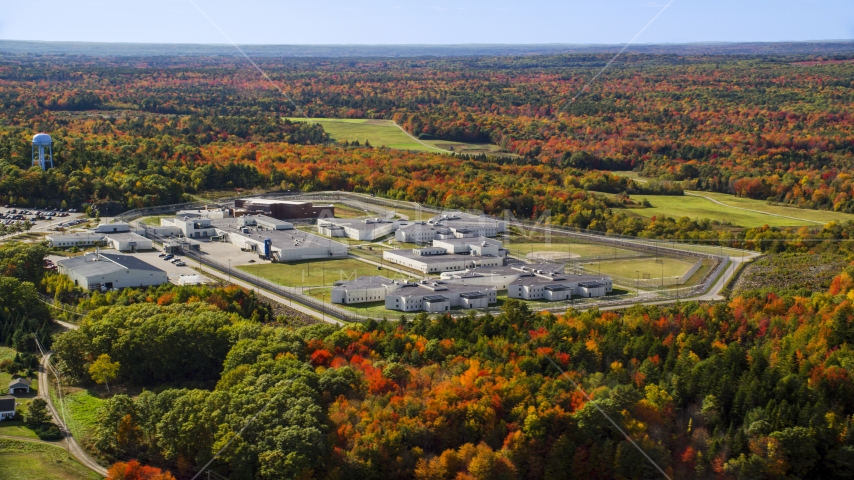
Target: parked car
x,y
181,264
169,257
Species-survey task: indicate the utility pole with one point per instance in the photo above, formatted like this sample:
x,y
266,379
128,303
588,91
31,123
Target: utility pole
x,y
637,281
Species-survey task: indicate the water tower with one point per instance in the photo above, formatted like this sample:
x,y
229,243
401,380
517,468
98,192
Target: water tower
x,y
40,142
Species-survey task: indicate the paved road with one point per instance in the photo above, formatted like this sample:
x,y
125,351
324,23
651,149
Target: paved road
x,y
72,444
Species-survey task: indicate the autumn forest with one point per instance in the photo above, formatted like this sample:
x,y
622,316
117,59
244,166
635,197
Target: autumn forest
x,y
757,386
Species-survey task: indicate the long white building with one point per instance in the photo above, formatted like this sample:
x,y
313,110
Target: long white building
x,y
364,229
450,225
106,270
363,290
450,255
124,241
500,277
555,287
435,296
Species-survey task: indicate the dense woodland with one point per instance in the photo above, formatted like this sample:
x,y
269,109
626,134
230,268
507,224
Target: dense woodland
x,y
134,132
758,386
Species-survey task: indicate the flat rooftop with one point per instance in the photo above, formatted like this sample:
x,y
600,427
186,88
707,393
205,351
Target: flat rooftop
x,y
124,236
515,269
365,282
433,288
560,279
463,217
271,201
362,224
282,239
470,241
270,220
435,259
104,263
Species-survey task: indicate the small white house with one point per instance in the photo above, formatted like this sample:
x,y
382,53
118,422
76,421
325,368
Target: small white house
x,y
7,407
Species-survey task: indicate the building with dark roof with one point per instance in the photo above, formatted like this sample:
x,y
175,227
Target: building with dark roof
x,y
107,270
7,407
555,287
282,209
435,296
19,385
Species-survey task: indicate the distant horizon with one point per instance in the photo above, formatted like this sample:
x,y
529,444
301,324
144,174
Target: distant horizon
x,y
469,44
437,22
146,49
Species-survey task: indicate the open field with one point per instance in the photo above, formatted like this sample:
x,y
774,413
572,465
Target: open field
x,y
377,132
386,133
313,273
821,216
81,408
631,268
741,212
467,148
560,245
20,460
347,211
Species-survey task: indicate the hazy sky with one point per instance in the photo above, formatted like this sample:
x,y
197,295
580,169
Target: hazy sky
x,y
425,22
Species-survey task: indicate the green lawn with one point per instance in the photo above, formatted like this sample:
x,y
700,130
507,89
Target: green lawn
x,y
560,248
386,133
823,216
154,221
632,268
20,460
17,428
314,273
377,132
697,207
81,410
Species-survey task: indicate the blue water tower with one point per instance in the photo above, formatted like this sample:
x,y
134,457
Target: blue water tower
x,y
40,142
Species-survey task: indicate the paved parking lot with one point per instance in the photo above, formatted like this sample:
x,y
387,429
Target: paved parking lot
x,y
173,272
45,225
222,252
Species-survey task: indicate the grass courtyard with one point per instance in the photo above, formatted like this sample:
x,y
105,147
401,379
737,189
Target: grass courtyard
x,y
21,460
559,247
315,273
632,268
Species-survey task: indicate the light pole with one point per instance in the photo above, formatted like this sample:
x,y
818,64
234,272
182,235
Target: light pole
x,y
637,282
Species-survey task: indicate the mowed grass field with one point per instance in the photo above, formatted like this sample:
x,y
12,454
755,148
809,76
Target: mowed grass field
x,y
695,207
386,133
632,268
314,273
20,460
559,246
377,132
